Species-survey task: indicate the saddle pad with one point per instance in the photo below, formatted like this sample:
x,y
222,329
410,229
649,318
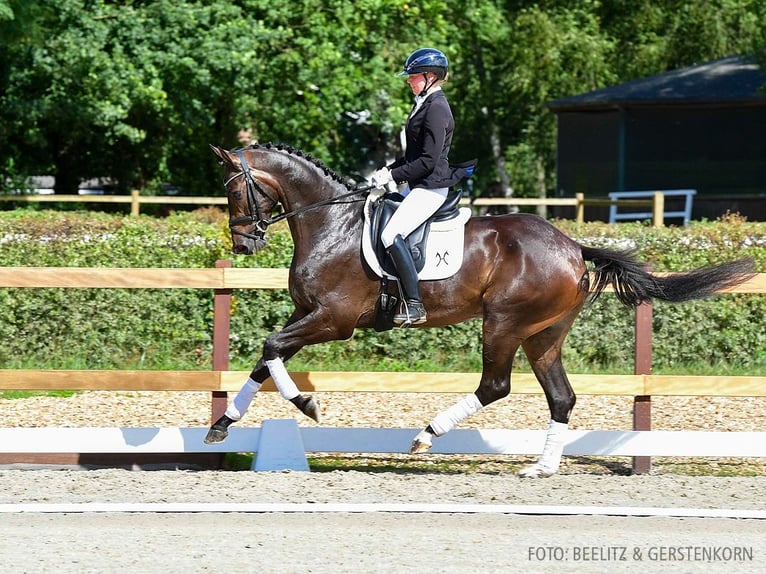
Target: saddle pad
x,y
444,249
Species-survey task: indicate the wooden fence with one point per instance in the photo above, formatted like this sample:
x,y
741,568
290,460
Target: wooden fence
x,y
223,279
135,199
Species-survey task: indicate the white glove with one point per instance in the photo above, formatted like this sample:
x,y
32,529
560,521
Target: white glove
x,y
382,177
376,193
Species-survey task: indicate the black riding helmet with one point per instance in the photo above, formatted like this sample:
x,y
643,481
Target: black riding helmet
x,y
426,60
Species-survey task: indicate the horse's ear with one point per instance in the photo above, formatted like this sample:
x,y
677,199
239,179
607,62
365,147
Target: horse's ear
x,y
222,154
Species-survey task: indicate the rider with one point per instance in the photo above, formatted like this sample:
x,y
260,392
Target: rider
x,y
424,167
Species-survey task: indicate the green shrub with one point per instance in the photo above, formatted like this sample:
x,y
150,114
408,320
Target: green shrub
x,y
172,328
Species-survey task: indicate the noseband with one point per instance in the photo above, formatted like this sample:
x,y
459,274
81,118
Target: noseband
x,y
254,214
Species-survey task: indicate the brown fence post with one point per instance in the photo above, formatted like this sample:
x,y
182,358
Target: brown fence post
x,y
221,331
642,405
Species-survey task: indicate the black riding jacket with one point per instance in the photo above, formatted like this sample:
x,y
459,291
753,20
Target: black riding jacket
x,y
429,136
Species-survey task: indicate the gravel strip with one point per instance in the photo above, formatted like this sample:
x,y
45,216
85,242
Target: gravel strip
x,y
387,410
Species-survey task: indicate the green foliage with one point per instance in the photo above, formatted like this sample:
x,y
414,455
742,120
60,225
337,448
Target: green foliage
x,y
657,36
27,394
172,328
135,91
718,331
106,328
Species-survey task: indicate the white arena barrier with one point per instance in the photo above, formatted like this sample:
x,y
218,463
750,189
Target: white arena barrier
x,y
281,444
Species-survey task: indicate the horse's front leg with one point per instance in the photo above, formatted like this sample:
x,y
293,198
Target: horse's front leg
x,y
237,408
241,402
289,390
301,330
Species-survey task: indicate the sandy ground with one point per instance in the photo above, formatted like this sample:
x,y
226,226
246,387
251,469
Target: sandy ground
x,y
374,542
331,542
501,487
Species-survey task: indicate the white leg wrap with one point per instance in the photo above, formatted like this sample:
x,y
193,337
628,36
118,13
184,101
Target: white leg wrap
x,y
445,421
238,407
549,461
554,447
282,379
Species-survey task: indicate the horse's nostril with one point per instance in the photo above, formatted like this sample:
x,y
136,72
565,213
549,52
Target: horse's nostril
x,y
242,250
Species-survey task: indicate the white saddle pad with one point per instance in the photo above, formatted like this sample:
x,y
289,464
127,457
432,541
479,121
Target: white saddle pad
x,y
444,248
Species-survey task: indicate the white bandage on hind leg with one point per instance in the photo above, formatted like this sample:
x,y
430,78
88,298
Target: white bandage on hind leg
x,y
554,447
283,381
241,402
445,421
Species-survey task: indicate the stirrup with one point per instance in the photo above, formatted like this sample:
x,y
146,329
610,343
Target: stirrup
x,y
414,313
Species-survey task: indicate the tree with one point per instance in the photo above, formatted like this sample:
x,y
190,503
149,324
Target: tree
x,y
101,96
517,61
654,37
136,90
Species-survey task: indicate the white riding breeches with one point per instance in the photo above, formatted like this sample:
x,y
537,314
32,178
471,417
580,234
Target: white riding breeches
x,y
417,206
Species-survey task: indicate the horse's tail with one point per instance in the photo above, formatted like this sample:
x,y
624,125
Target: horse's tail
x,y
634,285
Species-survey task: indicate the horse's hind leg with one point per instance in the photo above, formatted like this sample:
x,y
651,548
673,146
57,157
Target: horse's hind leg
x,y
544,353
499,348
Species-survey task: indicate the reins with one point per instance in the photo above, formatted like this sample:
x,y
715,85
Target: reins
x,y
322,203
255,216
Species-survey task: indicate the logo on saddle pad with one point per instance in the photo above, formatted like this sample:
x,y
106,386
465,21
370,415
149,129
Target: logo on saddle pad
x,y
436,246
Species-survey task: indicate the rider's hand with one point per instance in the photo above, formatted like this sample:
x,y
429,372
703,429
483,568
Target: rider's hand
x,y
382,177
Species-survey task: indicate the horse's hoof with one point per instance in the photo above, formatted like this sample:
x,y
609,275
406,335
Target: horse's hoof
x,y
421,443
418,447
216,435
311,408
535,471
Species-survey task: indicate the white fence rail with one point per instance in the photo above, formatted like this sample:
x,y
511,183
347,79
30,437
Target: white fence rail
x,y
282,444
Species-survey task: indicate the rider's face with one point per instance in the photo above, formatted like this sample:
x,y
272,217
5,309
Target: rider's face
x,y
418,81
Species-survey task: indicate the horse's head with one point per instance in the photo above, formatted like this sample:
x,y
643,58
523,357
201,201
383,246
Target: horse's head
x,y
252,196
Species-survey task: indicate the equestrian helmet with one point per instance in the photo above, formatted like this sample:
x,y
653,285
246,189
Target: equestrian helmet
x,y
426,60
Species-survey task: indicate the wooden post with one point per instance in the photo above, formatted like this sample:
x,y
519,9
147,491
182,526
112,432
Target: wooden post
x,y
135,202
580,208
658,210
221,332
642,405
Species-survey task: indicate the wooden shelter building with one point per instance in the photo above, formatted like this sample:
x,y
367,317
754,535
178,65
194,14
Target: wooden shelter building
x,y
701,127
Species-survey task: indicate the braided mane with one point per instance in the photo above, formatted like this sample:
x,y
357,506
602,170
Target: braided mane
x,y
314,161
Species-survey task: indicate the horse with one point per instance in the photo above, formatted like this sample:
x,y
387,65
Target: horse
x,y
523,277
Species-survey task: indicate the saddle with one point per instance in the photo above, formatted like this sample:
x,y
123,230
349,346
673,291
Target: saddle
x,y
382,211
436,247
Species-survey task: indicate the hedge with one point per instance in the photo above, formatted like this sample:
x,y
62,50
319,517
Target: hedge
x,y
154,328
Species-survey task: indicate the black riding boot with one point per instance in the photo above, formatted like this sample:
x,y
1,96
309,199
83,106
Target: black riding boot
x,y
414,312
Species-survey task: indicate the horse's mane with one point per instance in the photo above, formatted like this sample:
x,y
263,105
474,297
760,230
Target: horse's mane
x,y
312,160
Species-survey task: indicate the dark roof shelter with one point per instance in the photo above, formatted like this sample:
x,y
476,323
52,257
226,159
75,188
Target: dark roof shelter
x,y
700,127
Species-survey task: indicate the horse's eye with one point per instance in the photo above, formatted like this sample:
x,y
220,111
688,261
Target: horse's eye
x,y
236,195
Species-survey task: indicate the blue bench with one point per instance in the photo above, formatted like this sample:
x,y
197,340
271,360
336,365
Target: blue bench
x,y
685,213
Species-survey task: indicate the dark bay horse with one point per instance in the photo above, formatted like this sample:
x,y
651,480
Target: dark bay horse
x,y
524,278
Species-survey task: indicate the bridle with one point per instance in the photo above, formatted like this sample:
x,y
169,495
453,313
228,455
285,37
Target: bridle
x,y
255,215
